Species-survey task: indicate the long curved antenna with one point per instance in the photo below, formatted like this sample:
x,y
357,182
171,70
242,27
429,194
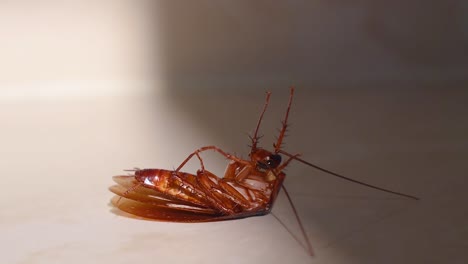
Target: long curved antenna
x,y
255,137
284,123
346,178
309,245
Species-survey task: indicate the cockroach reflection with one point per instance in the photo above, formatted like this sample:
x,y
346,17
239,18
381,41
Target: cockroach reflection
x,y
248,188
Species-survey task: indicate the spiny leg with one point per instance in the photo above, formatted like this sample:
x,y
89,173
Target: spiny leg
x,y
309,245
277,146
201,162
255,137
211,199
225,154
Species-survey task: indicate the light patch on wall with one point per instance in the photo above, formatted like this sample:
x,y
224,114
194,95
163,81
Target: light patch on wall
x,y
59,89
57,48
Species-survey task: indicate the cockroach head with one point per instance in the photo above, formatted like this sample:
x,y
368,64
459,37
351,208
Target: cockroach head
x,y
265,159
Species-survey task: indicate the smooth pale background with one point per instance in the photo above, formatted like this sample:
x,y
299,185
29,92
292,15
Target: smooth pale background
x,y
89,89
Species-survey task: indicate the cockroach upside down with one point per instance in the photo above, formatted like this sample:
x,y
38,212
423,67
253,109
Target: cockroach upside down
x,y
248,188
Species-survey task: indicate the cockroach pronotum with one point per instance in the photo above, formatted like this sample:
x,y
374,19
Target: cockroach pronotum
x,y
248,188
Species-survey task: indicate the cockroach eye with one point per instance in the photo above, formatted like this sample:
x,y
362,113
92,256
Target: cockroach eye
x,y
273,161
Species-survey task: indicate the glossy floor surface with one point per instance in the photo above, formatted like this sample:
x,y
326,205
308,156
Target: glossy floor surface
x,y
58,156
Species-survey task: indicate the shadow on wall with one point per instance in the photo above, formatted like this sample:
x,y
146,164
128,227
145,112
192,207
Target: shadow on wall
x,y
219,57
424,33
245,44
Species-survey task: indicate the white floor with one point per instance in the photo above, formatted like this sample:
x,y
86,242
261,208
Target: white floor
x,y
58,155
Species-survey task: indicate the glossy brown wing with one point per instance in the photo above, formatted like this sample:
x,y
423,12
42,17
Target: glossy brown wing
x,y
141,193
149,203
161,213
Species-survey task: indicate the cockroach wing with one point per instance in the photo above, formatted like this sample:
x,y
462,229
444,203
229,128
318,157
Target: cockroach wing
x,y
150,203
141,194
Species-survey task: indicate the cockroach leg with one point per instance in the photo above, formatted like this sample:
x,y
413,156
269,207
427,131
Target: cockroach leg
x,y
231,170
202,191
201,162
214,187
243,173
309,245
225,154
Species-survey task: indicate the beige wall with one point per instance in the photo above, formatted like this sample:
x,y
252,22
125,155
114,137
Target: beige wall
x,y
205,43
316,42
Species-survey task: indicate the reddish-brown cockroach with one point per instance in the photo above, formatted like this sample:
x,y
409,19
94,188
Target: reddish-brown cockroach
x,y
248,188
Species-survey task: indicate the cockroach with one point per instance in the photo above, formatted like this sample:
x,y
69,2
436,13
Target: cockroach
x,y
248,188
